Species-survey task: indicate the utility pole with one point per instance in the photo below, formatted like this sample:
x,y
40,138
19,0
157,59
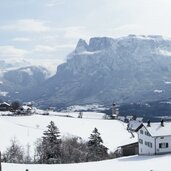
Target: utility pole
x,y
0,162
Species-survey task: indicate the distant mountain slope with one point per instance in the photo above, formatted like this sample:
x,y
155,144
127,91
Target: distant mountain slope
x,y
21,80
127,69
27,76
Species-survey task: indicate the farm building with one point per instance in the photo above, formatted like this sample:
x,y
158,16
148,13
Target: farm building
x,y
154,138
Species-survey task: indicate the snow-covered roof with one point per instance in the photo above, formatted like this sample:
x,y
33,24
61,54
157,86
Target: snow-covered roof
x,y
129,117
155,129
25,107
5,103
127,141
134,124
140,119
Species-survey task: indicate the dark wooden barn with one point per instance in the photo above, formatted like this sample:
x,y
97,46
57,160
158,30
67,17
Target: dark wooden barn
x,y
128,149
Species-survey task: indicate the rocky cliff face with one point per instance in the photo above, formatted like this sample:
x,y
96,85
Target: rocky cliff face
x,y
128,69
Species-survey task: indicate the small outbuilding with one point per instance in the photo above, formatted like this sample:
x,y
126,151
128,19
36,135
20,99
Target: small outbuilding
x,y
128,149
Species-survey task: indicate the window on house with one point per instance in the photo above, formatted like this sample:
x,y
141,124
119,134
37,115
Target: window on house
x,y
163,145
141,131
147,133
140,141
149,144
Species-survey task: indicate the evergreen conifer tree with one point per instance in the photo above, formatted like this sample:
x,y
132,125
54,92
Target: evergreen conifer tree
x,y
97,151
51,145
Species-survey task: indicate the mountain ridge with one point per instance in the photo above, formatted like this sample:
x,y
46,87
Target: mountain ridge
x,y
125,70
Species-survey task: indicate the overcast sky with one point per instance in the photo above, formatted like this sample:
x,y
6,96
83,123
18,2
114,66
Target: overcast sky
x,y
45,31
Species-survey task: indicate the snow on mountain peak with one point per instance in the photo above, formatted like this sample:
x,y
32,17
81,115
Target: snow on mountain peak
x,y
95,44
144,37
100,43
28,71
81,46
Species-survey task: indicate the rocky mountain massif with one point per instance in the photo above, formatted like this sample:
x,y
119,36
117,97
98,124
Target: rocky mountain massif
x,y
124,70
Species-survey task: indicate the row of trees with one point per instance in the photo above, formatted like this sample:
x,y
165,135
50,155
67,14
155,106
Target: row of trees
x,y
15,105
51,149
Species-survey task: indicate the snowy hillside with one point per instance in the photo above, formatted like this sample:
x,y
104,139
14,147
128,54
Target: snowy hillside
x,y
28,128
134,163
71,112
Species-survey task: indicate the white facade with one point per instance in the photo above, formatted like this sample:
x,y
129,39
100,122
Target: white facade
x,y
163,140
146,142
154,139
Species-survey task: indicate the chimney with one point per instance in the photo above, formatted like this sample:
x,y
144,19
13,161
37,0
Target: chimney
x,y
148,123
162,122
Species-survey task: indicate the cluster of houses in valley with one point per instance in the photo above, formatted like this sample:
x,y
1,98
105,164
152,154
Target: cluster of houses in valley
x,y
152,138
25,109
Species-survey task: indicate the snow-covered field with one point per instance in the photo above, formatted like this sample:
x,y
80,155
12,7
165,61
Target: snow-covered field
x,y
87,115
28,128
133,163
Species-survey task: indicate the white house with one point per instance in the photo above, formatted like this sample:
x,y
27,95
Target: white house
x,y
5,106
154,138
24,110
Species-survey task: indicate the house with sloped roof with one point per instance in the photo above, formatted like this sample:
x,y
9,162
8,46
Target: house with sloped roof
x,y
5,106
24,110
154,138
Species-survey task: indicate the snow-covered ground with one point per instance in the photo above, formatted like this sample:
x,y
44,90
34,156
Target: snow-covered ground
x,y
27,129
133,163
5,113
87,115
